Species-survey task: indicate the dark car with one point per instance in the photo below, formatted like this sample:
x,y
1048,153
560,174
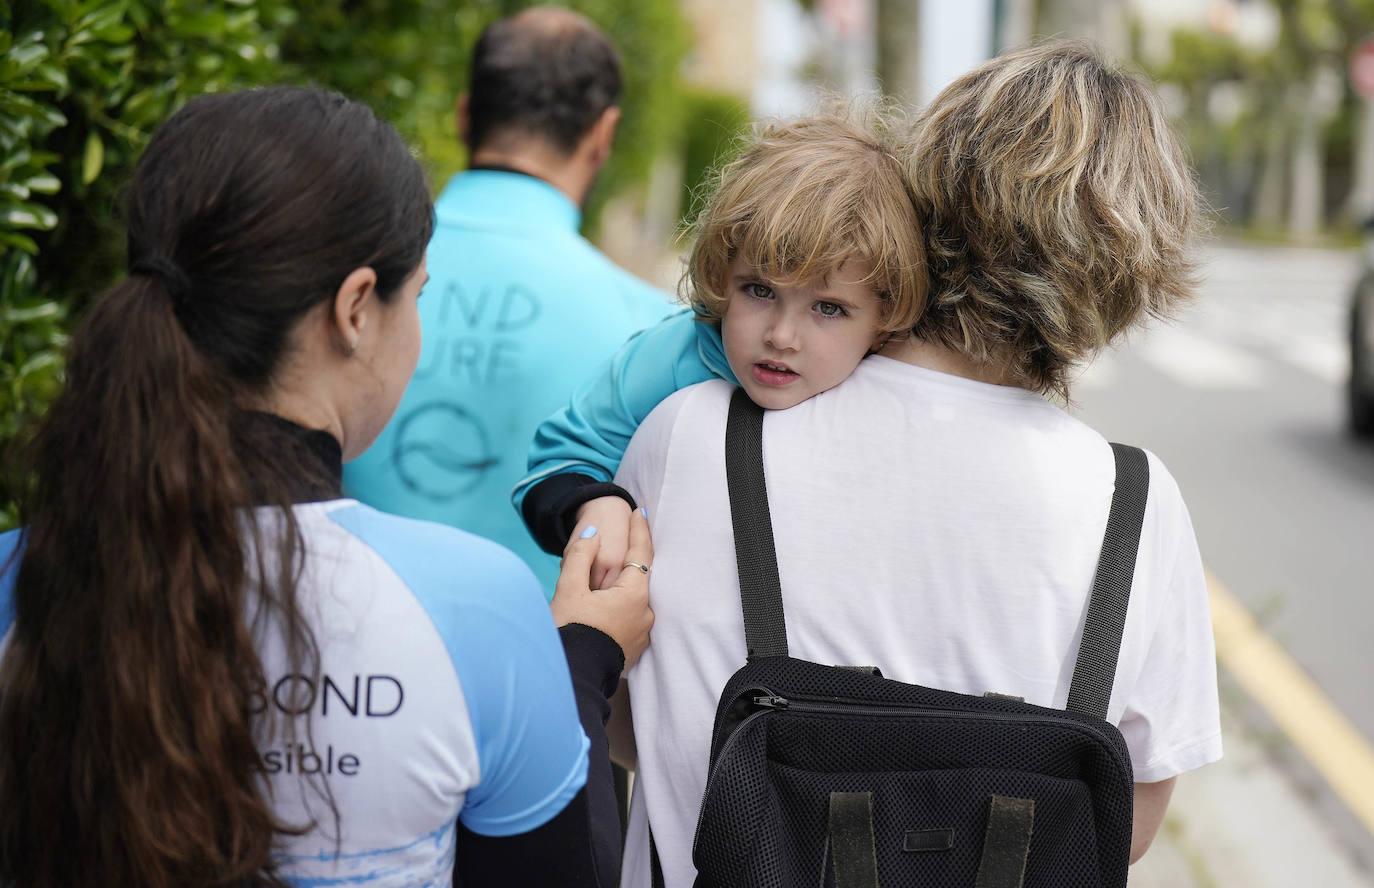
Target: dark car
x,y
1361,388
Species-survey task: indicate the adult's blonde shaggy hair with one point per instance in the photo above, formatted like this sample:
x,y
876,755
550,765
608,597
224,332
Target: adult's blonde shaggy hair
x,y
1057,208
800,200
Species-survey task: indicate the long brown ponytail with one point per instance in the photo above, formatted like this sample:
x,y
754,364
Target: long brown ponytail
x,y
127,744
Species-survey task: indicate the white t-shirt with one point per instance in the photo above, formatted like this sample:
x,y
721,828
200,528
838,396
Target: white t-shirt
x,y
944,530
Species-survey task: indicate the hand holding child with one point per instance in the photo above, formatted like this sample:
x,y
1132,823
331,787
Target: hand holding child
x,y
620,610
610,515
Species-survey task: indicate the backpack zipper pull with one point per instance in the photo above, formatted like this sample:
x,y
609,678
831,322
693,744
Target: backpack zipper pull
x,y
770,702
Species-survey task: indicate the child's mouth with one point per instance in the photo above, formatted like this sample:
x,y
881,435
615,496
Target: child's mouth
x,y
768,373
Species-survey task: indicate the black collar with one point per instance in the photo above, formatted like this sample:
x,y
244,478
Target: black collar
x,y
308,463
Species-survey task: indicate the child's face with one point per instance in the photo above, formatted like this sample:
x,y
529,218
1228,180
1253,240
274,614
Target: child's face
x,y
787,343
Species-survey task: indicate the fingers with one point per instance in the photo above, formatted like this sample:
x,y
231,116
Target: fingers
x,y
606,569
641,548
640,551
602,575
633,588
578,557
612,556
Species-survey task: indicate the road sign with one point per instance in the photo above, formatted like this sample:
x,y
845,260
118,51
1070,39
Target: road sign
x,y
1362,69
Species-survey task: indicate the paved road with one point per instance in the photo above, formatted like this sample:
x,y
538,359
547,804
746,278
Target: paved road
x,y
1242,399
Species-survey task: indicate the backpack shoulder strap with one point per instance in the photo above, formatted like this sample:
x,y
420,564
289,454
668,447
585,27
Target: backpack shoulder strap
x,y
1091,686
765,632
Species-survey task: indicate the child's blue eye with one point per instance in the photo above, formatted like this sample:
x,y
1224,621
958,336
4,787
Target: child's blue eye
x,y
758,291
831,310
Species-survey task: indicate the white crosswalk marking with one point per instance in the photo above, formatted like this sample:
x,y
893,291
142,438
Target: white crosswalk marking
x,y
1201,362
1328,361
1240,335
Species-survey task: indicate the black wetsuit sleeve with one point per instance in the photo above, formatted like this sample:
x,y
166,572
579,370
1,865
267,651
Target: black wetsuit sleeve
x,y
580,847
550,506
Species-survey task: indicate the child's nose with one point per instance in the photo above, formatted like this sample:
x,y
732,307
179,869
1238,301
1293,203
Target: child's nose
x,y
782,332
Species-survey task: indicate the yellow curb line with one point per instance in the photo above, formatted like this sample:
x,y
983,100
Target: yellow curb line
x,y
1328,740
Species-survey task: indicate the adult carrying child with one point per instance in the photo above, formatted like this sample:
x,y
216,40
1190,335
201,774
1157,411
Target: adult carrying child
x,y
936,514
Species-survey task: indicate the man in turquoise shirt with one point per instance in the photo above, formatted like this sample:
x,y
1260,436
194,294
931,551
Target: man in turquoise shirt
x,y
519,308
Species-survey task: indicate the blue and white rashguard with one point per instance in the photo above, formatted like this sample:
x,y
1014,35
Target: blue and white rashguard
x,y
443,696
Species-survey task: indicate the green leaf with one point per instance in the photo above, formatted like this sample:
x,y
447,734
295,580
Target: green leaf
x,y
142,107
44,113
41,361
139,16
16,275
237,21
44,183
15,160
105,15
115,34
200,24
26,58
28,215
19,242
34,84
92,159
30,313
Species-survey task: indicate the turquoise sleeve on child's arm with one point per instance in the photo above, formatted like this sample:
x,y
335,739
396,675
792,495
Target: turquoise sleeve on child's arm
x,y
590,434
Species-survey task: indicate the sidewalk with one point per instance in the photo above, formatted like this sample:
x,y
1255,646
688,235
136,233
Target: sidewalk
x,y
1243,822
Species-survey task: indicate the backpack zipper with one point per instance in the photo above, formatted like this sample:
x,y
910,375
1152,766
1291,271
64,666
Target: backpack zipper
x,y
713,771
770,702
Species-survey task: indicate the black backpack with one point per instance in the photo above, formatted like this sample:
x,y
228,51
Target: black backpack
x,y
834,775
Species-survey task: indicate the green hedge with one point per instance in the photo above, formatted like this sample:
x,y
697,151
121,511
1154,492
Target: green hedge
x,y
716,124
82,84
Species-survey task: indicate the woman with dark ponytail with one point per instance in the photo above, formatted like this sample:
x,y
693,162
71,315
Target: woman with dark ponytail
x,y
218,672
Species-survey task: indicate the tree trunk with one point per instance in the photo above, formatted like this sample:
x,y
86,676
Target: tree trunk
x,y
899,50
1102,21
1360,205
1269,192
1317,101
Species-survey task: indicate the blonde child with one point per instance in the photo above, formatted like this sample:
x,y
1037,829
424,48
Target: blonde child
x,y
806,259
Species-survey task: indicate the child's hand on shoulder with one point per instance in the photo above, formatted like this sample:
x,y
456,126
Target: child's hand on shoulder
x,y
610,515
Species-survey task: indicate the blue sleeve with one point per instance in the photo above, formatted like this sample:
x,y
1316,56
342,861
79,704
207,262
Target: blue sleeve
x,y
11,550
589,436
491,613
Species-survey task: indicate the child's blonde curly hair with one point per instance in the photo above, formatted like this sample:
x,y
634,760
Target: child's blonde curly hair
x,y
1057,209
800,200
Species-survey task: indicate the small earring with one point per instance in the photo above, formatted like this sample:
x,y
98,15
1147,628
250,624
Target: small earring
x,y
352,348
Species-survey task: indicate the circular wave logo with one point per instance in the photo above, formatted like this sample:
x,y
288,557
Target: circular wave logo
x,y
442,452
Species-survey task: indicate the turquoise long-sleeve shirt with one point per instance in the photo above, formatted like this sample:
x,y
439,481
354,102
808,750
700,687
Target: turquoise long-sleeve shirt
x,y
519,310
589,435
